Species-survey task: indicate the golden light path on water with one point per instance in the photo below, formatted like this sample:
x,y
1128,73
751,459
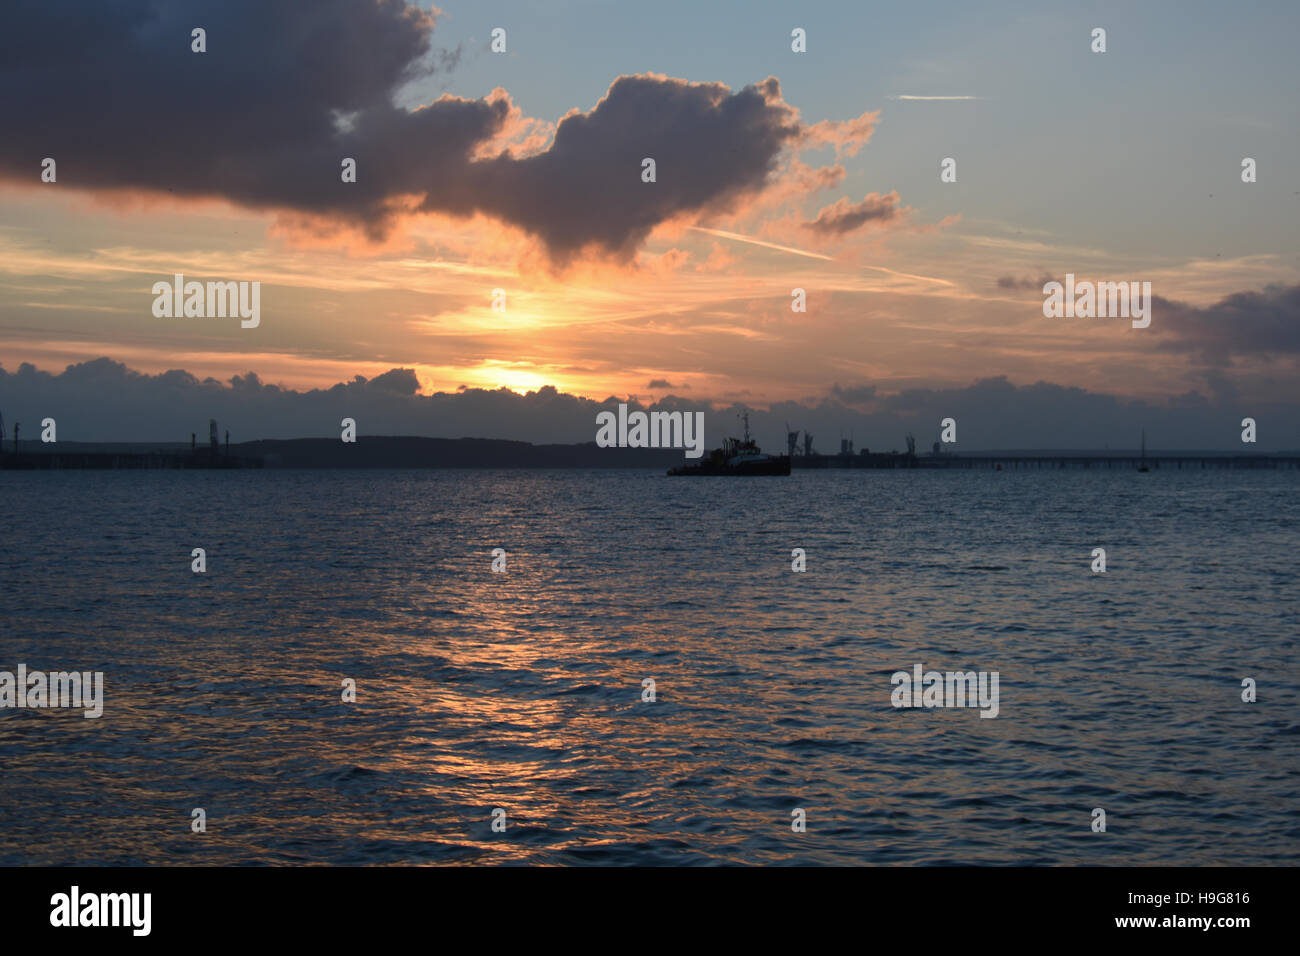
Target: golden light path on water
x,y
522,690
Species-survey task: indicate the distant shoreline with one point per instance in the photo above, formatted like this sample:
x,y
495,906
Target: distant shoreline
x,y
425,453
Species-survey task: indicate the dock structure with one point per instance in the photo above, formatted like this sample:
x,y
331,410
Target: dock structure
x,y
1109,462
939,457
1045,462
863,459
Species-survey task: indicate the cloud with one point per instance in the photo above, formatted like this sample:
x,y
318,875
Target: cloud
x,y
284,92
104,400
1247,323
661,383
1011,282
711,148
398,381
855,394
847,136
1243,323
842,216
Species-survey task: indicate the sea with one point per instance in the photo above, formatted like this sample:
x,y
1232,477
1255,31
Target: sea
x,y
648,681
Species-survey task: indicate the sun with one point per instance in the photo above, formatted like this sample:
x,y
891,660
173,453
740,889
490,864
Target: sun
x,y
516,376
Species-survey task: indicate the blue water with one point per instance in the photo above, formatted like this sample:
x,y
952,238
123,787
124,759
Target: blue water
x,y
522,690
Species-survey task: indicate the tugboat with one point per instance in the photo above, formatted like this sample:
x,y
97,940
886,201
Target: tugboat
x,y
737,457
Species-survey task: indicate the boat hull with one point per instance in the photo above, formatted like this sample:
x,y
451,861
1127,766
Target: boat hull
x,y
770,466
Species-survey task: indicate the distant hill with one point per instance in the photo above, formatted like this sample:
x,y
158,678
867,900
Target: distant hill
x,y
397,452
383,452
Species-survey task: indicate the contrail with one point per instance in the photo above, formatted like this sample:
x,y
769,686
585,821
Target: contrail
x,y
759,242
909,275
812,255
906,97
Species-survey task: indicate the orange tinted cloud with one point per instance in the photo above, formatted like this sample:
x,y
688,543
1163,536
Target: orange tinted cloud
x,y
843,216
847,136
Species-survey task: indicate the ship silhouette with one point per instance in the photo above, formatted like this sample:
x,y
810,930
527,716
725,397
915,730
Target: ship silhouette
x,y
737,456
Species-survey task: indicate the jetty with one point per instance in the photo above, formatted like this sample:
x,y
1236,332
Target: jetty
x,y
1141,461
1119,462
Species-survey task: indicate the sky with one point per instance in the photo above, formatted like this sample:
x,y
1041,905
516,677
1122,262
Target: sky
x,y
521,171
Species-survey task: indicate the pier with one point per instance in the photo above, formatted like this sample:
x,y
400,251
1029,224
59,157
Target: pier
x,y
863,459
1109,462
1048,462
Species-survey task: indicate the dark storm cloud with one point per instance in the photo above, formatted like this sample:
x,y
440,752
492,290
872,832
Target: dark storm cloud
x,y
103,400
1244,323
710,148
287,89
114,94
844,216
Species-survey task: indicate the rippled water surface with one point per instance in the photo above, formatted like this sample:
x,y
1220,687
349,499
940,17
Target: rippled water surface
x,y
523,690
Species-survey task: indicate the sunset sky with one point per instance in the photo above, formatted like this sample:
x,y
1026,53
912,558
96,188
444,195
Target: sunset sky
x,y
775,170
